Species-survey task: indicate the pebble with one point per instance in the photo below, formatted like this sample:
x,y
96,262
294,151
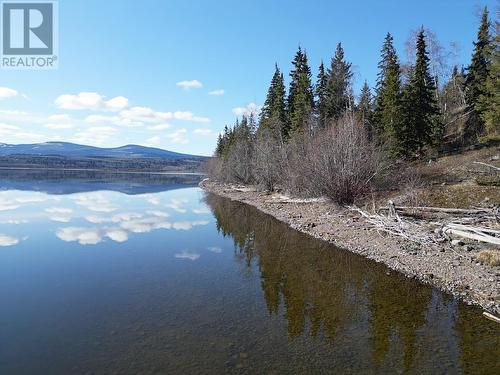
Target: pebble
x,y
457,243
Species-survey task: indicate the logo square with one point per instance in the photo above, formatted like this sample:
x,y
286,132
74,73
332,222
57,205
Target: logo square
x,y
29,34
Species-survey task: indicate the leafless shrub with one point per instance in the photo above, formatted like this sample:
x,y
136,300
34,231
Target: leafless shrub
x,y
238,164
213,169
268,158
339,162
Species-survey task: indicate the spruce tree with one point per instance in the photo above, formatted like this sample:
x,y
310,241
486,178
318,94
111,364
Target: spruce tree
x,y
365,107
321,90
489,102
422,118
274,110
388,112
300,101
338,89
477,75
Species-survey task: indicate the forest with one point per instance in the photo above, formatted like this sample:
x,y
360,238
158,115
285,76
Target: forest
x,y
321,139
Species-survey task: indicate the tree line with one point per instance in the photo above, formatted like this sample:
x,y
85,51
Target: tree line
x,y
320,131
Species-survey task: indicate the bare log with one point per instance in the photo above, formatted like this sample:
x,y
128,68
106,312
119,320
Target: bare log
x,y
491,317
472,235
487,165
465,211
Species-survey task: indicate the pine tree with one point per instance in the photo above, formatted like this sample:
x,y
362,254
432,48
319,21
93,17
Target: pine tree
x,y
300,101
274,110
321,90
489,102
421,126
365,107
338,89
388,112
477,75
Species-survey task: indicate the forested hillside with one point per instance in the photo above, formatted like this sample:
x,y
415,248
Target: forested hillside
x,y
320,138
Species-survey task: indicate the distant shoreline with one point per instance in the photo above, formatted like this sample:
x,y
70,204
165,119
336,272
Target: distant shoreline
x,y
103,171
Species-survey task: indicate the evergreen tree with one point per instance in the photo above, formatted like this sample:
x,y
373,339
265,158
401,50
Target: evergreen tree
x,y
338,89
388,112
274,110
489,102
365,107
477,75
421,126
300,99
321,91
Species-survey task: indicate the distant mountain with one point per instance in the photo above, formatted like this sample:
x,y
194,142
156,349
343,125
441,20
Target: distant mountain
x,y
73,150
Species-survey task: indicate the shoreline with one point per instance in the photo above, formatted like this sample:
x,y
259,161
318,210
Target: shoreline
x,y
453,272
116,171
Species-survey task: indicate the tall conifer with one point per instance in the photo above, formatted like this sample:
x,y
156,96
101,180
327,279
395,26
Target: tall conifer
x,y
477,75
338,89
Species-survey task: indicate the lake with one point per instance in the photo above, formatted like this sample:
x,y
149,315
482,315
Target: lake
x,y
127,275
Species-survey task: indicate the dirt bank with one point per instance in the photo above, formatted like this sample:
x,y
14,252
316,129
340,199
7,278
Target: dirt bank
x,y
453,270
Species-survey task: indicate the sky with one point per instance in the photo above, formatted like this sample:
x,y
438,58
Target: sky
x,y
172,73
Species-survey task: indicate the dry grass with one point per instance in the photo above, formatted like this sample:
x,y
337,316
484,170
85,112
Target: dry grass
x,y
489,257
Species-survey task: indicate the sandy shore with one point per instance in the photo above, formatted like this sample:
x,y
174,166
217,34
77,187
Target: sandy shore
x,y
453,271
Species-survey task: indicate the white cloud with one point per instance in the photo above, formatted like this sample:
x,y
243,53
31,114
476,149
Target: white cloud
x,y
58,126
6,93
117,235
249,109
84,236
188,116
193,84
159,127
204,132
60,214
95,135
59,210
9,203
95,202
91,101
138,116
219,92
187,255
60,218
6,128
14,221
188,225
8,240
14,132
146,225
153,141
201,211
159,213
177,136
215,249
176,205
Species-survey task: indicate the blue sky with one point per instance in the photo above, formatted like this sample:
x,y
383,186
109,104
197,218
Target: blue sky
x,y
172,73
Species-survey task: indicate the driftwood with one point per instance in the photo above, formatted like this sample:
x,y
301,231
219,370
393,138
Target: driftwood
x,y
398,227
491,317
471,227
464,211
487,165
471,233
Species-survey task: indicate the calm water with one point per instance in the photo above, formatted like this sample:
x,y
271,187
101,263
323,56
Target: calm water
x,y
159,278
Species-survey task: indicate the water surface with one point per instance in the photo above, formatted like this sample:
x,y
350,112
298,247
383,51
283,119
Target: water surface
x,y
163,279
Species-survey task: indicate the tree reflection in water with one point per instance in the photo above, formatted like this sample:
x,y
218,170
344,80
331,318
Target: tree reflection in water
x,y
321,290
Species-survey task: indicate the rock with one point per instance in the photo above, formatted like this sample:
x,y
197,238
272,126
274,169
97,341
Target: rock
x,y
457,243
496,157
468,248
